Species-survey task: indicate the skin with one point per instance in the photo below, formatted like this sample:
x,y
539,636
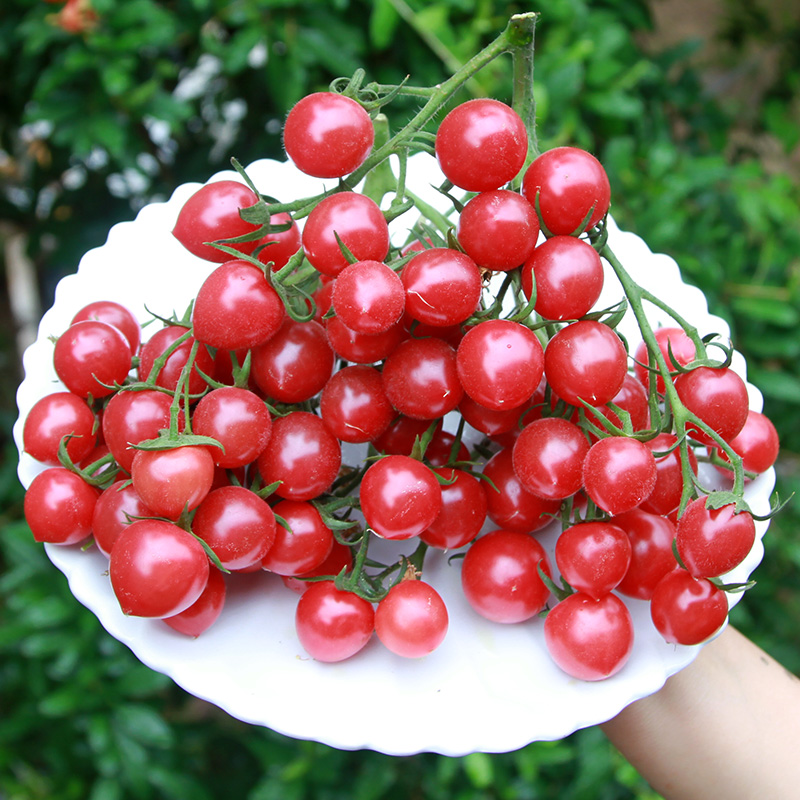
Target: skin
x,y
726,726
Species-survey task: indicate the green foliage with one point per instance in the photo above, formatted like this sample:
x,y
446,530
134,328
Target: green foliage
x,y
94,125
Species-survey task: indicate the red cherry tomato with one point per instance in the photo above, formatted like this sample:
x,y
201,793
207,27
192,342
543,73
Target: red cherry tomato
x,y
463,512
169,375
58,506
302,547
157,569
666,494
368,296
328,135
277,247
412,619
333,625
481,144
115,315
569,185
757,443
361,348
205,611
500,579
115,509
53,417
590,639
676,347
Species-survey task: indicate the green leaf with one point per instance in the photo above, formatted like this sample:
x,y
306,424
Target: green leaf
x,y
144,725
382,23
763,308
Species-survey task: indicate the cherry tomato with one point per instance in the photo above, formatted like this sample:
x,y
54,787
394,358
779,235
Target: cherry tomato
x,y
277,247
169,375
757,443
687,610
333,625
58,506
586,360
548,457
442,286
302,454
712,542
368,296
567,275
400,497
676,347
500,363
169,481
491,421
481,144
294,364
399,438
354,406
132,417
509,504
237,525
92,358
463,512
651,537
666,494
157,569
53,417
115,509
360,348
328,135
302,547
569,185
590,639
340,558
115,315
412,619
593,557
618,473
421,378
212,213
356,220
500,579
236,308
498,229
718,396
205,611
238,419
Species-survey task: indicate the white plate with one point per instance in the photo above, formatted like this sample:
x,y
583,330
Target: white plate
x,y
489,687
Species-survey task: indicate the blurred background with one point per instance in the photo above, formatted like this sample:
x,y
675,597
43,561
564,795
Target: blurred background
x,y
106,105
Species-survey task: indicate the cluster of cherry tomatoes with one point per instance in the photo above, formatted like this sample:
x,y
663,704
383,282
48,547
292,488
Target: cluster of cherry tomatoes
x,y
215,446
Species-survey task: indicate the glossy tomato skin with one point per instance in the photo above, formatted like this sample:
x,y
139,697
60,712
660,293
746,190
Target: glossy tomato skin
x,y
568,277
509,504
169,375
412,619
360,348
212,213
676,347
130,418
116,506
295,364
340,558
302,547
481,144
500,579
205,611
277,247
652,557
687,610
238,419
586,360
358,222
421,378
757,443
500,363
169,481
718,396
442,286
498,229
237,525
400,497
328,135
618,473
368,296
91,358
593,557
236,308
666,494
157,569
569,185
302,454
711,542
333,625
116,315
53,417
354,406
463,513
590,639
548,457
58,506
